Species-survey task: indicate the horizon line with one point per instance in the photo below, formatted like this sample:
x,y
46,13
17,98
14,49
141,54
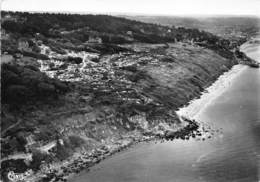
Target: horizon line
x,y
136,14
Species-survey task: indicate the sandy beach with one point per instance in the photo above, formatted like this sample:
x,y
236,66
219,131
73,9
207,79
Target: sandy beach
x,y
223,83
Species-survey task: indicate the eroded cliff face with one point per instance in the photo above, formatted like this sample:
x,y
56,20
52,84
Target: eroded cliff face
x,y
137,93
113,100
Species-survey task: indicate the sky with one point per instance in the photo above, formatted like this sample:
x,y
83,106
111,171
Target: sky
x,y
146,7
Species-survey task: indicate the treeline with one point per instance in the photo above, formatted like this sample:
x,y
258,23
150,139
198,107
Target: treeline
x,y
31,23
111,29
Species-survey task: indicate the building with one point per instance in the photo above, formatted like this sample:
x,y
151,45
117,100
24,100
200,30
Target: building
x,y
30,140
23,45
94,39
130,33
30,143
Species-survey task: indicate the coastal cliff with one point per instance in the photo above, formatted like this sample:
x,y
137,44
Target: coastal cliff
x,y
134,98
66,106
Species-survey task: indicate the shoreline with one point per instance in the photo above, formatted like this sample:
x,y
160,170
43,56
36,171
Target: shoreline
x,y
76,94
82,161
116,160
223,82
180,133
197,105
85,160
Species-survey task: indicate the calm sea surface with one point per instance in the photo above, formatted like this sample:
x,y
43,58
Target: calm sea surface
x,y
231,156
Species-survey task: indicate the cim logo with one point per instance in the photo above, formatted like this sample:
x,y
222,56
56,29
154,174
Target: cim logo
x,y
12,176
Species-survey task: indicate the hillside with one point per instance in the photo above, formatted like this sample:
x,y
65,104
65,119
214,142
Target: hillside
x,y
225,26
73,31
75,89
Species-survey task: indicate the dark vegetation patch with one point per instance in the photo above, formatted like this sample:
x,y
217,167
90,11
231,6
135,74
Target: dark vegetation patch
x,y
21,85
